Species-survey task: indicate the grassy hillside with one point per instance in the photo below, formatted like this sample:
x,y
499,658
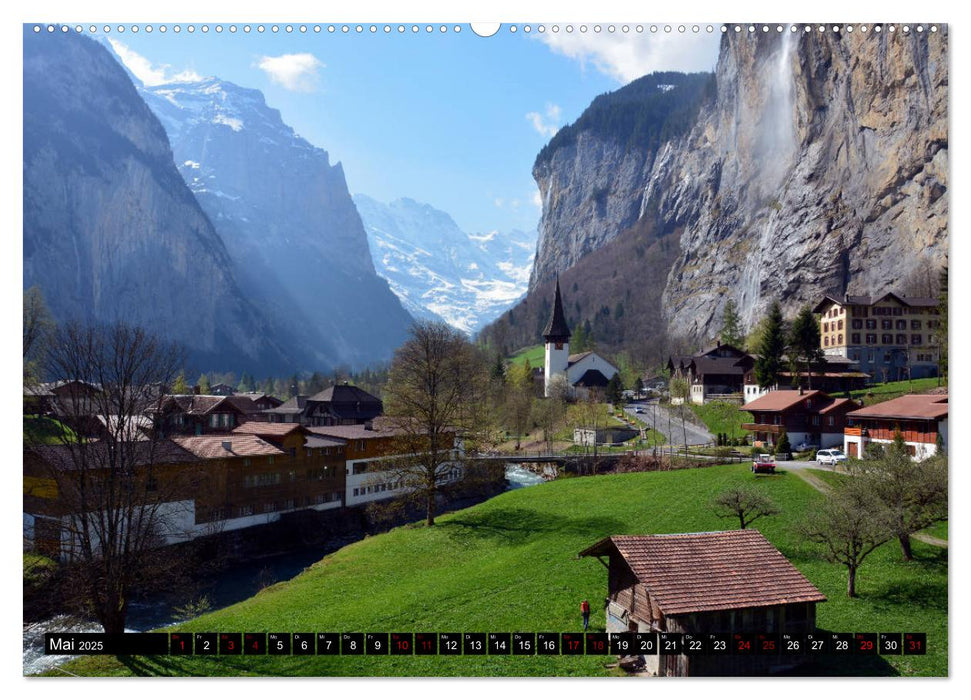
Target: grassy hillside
x,y
536,355
510,564
723,417
891,390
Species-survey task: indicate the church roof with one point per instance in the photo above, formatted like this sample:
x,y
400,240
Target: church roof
x,y
557,330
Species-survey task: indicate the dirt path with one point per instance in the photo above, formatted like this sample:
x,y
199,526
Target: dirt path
x,y
825,488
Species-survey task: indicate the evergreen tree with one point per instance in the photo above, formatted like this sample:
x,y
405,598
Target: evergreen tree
x,y
804,342
316,383
771,347
615,389
731,332
578,343
782,447
245,383
498,372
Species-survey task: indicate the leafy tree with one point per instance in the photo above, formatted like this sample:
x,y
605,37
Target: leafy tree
x,y
745,503
804,341
38,326
179,386
731,331
519,398
850,524
914,494
203,383
771,348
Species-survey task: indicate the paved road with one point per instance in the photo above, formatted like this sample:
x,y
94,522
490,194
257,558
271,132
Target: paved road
x,y
669,423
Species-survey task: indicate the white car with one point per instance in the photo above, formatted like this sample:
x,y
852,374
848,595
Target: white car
x,y
804,446
833,457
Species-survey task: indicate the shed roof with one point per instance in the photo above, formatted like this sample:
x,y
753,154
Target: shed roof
x,y
707,571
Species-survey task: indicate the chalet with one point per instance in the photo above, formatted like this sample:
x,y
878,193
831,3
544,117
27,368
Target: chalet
x,y
65,398
221,389
705,583
199,414
920,418
261,400
806,416
834,375
584,371
343,404
372,450
715,374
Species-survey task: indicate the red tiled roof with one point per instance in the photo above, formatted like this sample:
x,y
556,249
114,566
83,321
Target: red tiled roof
x,y
707,571
781,400
212,446
926,406
265,428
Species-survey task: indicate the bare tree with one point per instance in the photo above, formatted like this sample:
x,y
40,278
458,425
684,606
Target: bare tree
x,y
850,525
680,387
114,504
38,325
436,385
744,503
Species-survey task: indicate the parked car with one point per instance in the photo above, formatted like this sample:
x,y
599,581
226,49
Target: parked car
x,y
638,410
832,457
805,447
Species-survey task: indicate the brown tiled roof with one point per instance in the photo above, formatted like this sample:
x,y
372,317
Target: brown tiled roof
x,y
781,399
144,452
871,300
264,428
212,446
317,441
354,432
706,571
926,406
839,405
199,404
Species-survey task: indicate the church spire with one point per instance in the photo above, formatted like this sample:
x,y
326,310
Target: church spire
x,y
557,331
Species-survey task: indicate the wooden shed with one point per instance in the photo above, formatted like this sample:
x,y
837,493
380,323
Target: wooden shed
x,y
701,583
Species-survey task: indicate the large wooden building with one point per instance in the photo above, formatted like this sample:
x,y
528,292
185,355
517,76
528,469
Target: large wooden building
x,y
920,418
714,374
702,583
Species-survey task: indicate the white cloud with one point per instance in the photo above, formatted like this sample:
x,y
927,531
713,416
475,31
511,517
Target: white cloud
x,y
498,201
546,126
149,73
537,199
625,57
299,72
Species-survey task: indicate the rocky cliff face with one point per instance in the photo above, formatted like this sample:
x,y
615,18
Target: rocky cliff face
x,y
111,232
819,166
286,215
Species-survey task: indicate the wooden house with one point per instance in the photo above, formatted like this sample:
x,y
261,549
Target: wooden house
x,y
703,583
812,417
714,374
920,418
343,404
199,414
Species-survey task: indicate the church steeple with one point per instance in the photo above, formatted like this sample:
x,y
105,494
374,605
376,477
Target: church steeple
x,y
557,330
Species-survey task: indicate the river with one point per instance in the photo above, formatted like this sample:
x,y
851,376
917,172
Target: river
x,y
231,585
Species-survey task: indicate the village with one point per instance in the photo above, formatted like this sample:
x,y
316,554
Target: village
x,y
225,464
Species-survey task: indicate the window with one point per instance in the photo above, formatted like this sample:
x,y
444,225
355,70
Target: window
x,y
871,324
269,460
886,324
887,339
825,340
856,341
839,325
871,339
814,420
901,325
839,339
915,339
293,452
855,356
826,328
356,491
901,339
915,325
214,420
871,354
360,445
857,324
830,420
897,311
288,504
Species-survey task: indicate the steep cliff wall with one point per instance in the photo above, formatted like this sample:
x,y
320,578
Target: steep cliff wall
x,y
819,165
110,230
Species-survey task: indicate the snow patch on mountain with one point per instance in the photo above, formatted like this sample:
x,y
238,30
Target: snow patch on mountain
x,y
439,271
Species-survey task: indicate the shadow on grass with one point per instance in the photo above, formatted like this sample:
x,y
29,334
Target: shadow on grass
x,y
517,526
922,594
155,666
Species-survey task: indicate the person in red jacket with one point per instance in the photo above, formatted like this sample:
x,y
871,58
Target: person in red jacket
x,y
585,611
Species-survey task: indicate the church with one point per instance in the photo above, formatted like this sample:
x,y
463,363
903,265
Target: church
x,y
584,370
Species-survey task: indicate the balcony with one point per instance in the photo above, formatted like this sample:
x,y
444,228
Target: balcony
x,y
763,428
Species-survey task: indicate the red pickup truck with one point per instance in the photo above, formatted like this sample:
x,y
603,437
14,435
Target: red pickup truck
x,y
763,464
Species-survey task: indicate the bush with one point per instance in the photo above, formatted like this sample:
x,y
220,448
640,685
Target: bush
x,y
782,446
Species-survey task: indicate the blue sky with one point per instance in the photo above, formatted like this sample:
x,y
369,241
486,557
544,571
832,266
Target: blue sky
x,y
452,119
